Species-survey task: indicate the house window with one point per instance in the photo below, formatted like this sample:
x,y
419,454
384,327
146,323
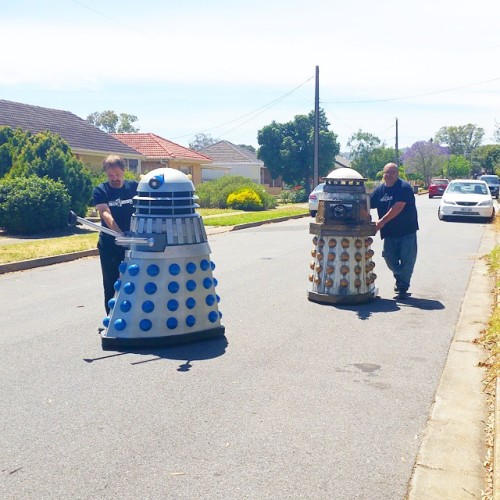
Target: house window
x,y
187,170
133,165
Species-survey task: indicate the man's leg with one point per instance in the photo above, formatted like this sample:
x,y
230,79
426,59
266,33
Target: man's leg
x,y
391,255
408,257
110,261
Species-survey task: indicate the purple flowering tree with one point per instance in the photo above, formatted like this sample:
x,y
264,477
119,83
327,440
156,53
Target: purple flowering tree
x,y
426,158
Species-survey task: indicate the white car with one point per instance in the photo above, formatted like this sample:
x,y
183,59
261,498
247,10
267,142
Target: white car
x,y
314,199
466,198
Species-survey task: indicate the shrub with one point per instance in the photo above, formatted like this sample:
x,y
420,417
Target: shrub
x,y
214,194
244,199
31,205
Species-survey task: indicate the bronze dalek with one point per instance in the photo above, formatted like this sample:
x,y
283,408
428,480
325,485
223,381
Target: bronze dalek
x,y
342,265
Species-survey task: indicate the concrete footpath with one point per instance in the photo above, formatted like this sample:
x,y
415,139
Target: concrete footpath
x,y
449,464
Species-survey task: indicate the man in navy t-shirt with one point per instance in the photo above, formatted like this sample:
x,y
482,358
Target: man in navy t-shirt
x,y
113,201
398,225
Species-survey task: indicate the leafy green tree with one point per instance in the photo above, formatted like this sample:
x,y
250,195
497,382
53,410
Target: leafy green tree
x,y
457,167
11,143
202,141
461,140
425,158
48,155
496,132
361,145
486,159
112,123
287,149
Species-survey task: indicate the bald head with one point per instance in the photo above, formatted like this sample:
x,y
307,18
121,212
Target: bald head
x,y
391,174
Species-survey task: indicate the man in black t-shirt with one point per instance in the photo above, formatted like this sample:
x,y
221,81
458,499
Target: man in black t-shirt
x,y
113,201
398,225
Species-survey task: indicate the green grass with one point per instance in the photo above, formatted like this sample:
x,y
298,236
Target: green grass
x,y
247,217
46,247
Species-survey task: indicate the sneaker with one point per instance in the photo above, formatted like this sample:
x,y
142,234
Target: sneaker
x,y
402,294
396,288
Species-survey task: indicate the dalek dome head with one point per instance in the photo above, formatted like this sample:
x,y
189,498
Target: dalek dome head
x,y
163,180
165,192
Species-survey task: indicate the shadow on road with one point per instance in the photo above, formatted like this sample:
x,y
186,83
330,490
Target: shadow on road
x,y
380,305
197,351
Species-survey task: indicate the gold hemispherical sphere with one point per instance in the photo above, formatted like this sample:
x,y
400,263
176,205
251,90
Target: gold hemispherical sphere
x,y
358,243
358,257
368,242
345,243
321,242
317,280
313,253
357,282
331,256
345,256
332,242
344,283
311,277
330,269
369,254
344,269
319,268
315,240
329,282
357,269
319,255
311,265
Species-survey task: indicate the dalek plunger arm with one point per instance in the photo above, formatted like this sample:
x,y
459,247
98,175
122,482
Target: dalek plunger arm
x,y
120,239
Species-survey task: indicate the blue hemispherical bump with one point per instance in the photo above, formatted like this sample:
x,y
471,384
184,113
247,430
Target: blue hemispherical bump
x,y
174,269
190,320
220,314
125,306
172,323
213,316
191,267
117,285
212,265
153,270
215,282
145,325
173,287
120,324
105,321
133,270
191,285
129,288
218,298
150,288
190,303
148,306
204,265
210,300
122,267
207,283
111,303
172,305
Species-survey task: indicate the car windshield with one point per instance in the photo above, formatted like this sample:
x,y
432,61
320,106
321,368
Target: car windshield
x,y
491,180
439,181
467,188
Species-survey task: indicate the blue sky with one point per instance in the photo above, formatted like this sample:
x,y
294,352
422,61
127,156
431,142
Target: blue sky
x,y
228,68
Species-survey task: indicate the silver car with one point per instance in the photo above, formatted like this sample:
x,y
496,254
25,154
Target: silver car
x,y
314,199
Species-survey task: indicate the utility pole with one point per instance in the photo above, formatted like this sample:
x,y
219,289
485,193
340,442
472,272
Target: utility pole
x,y
316,132
397,149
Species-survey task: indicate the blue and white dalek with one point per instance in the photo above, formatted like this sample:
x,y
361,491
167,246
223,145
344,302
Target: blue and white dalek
x,y
165,294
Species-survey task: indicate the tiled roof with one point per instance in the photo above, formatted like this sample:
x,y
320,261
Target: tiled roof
x,y
227,152
154,146
78,133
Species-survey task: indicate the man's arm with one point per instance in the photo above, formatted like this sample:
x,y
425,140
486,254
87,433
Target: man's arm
x,y
393,212
107,217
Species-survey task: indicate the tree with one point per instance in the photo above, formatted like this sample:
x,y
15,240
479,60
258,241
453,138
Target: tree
x,y
361,145
461,140
486,159
287,149
426,158
111,123
457,167
48,155
496,132
202,141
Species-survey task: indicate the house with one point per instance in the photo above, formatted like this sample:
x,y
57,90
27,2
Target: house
x,y
88,143
237,160
160,152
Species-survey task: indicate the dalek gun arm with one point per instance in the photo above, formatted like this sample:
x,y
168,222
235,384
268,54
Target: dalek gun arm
x,y
122,240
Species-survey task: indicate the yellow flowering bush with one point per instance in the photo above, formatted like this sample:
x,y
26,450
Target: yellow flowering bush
x,y
244,199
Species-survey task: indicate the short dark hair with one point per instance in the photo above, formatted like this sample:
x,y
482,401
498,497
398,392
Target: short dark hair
x,y
113,161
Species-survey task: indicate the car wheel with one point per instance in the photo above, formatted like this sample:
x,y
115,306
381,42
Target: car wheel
x,y
430,196
313,213
492,218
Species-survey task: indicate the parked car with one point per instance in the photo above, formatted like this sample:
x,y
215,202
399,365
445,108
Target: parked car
x,y
493,183
466,198
437,187
314,199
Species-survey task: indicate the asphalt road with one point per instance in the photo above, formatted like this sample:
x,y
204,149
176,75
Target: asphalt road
x,y
300,400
